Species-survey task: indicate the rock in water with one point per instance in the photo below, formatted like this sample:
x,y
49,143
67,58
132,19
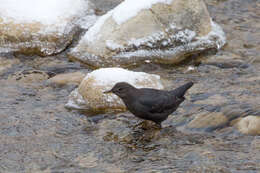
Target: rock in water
x,y
162,31
89,95
249,125
42,27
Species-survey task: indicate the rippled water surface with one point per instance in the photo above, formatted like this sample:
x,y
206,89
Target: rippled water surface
x,y
38,134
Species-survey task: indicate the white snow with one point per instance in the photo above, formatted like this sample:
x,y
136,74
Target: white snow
x,y
190,69
184,36
214,39
108,76
123,12
91,34
110,44
46,12
147,41
216,34
130,8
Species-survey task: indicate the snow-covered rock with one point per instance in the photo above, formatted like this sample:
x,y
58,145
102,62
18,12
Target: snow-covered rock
x,y
162,31
42,27
89,95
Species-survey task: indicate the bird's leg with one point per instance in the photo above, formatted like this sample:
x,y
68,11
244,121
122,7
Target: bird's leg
x,y
138,124
159,125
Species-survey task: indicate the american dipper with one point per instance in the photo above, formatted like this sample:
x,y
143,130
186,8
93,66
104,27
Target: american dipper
x,y
150,104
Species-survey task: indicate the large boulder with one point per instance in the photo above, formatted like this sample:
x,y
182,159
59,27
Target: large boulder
x,y
163,31
89,95
42,27
208,121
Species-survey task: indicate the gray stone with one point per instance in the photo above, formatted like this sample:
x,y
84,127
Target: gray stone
x,y
163,33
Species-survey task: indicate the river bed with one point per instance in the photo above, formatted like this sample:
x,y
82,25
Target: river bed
x,y
38,134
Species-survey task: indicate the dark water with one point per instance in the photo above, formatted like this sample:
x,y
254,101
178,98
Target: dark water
x,y
38,134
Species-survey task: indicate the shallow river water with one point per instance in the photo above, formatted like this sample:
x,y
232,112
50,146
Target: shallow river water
x,y
37,134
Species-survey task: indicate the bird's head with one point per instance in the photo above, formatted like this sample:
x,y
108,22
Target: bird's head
x,y
121,89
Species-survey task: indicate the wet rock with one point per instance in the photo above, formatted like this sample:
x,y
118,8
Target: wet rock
x,y
29,76
89,95
208,121
87,161
115,130
42,27
249,125
167,32
225,61
67,78
234,111
214,100
253,79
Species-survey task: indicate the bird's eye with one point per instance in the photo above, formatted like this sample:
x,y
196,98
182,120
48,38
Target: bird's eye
x,y
120,89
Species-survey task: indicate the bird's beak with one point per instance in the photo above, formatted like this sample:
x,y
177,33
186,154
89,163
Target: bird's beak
x,y
107,92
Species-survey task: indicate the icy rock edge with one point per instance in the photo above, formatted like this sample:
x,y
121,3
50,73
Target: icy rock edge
x,y
154,48
214,40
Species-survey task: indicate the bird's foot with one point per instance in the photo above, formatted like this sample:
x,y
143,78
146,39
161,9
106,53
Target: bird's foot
x,y
138,124
146,125
158,125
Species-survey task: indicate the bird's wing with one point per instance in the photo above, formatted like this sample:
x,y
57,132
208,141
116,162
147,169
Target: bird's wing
x,y
157,102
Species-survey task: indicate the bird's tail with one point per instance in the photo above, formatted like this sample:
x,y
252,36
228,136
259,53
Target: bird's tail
x,y
179,92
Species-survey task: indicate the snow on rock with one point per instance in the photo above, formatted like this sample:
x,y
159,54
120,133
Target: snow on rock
x,y
162,31
42,27
131,8
89,95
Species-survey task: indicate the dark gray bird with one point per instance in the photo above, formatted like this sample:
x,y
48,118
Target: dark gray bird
x,y
150,104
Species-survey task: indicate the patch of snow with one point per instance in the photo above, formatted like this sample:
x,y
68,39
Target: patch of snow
x,y
44,11
108,76
184,36
53,14
110,44
130,8
123,12
216,34
154,40
149,41
91,34
165,43
191,68
214,39
104,79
